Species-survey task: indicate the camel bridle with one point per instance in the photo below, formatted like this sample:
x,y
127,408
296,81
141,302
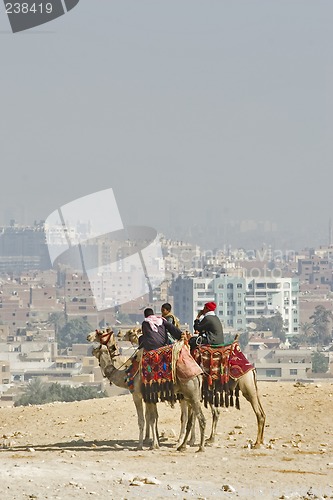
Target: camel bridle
x,y
104,339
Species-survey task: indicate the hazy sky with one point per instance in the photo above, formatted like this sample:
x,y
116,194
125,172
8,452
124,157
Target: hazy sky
x,y
191,111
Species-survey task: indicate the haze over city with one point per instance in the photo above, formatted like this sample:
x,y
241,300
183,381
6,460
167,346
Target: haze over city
x,y
194,113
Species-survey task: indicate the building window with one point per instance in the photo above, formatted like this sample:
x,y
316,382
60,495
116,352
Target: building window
x,y
221,285
239,285
200,285
230,285
293,371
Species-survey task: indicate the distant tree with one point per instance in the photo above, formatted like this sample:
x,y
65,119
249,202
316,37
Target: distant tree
x,y
74,332
321,324
34,393
38,392
319,362
295,342
58,320
306,333
243,339
273,324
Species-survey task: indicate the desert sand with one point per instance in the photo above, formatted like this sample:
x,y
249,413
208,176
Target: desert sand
x,y
87,449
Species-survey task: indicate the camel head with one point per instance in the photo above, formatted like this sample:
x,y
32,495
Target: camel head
x,y
101,336
133,335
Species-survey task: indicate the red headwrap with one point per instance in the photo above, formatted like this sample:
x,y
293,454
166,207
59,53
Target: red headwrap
x,y
211,306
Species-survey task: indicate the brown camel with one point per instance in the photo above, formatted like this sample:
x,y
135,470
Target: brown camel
x,y
247,384
190,389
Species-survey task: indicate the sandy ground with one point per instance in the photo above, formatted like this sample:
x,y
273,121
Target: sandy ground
x,y
87,449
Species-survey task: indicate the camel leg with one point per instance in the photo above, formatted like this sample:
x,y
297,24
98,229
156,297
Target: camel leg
x,y
195,410
202,424
152,418
183,420
215,418
189,424
147,435
191,441
248,386
137,398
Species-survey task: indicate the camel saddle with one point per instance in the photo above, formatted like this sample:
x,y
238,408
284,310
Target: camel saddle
x,y
219,365
160,368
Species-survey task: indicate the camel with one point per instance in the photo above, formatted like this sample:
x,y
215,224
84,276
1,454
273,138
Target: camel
x,y
117,376
247,384
190,389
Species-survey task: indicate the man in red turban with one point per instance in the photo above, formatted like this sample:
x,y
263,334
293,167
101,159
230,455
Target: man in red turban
x,y
207,327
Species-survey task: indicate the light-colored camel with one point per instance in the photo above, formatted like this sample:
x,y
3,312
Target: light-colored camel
x,y
117,376
190,390
113,367
247,384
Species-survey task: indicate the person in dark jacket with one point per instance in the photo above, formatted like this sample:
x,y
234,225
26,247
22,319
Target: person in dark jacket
x,y
155,331
207,327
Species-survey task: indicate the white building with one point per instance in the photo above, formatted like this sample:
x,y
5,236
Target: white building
x,y
239,300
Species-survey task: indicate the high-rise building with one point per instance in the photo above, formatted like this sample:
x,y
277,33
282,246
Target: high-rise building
x,y
239,300
23,249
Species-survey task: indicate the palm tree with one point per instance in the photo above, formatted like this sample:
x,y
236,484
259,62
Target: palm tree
x,y
34,393
57,319
307,330
321,319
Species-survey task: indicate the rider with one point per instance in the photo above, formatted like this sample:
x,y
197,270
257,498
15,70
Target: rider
x,y
207,327
168,315
155,331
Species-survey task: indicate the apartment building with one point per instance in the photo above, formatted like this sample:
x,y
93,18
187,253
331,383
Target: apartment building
x,y
267,296
23,248
315,270
239,300
190,295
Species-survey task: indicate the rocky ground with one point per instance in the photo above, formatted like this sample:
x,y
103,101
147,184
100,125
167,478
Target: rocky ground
x,y
88,449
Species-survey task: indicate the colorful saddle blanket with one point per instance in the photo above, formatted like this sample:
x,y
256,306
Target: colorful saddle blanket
x,y
159,369
219,364
157,376
131,372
